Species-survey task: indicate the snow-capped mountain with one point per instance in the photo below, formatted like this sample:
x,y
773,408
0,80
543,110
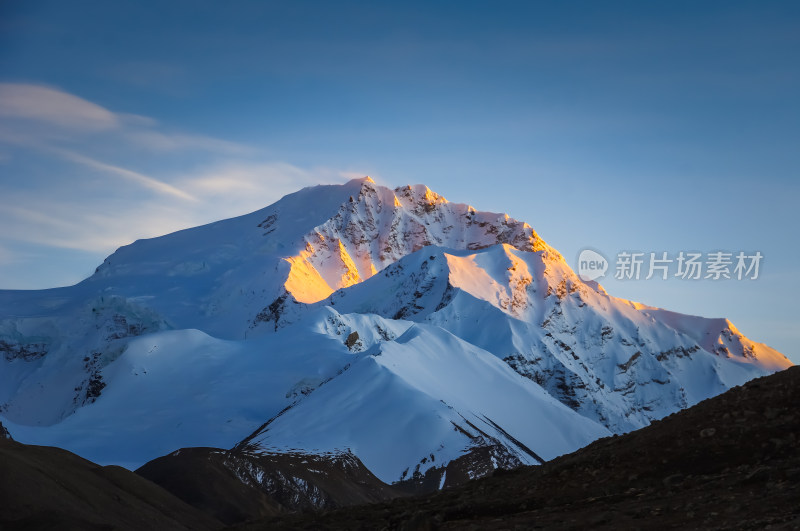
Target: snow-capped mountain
x,y
619,363
389,324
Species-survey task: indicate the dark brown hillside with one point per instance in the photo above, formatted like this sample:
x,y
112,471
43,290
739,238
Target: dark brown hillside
x,y
239,485
731,462
49,488
235,485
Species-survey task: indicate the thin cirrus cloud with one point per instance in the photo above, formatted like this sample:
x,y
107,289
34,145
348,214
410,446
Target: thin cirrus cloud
x,y
28,106
58,124
239,187
59,211
227,190
130,175
56,224
53,107
7,256
158,141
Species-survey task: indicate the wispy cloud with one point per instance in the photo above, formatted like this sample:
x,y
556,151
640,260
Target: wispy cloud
x,y
33,110
238,187
159,141
155,76
67,220
7,256
58,123
69,225
136,177
53,107
70,208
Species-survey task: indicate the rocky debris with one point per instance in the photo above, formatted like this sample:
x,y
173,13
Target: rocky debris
x,y
4,434
267,224
272,313
479,462
118,318
729,462
90,388
304,387
353,342
25,351
122,328
94,386
282,311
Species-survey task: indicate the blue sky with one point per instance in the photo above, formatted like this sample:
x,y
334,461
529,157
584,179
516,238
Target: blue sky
x,y
649,126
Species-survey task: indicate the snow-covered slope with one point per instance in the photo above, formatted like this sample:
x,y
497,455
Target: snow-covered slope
x,y
390,323
601,356
429,396
183,388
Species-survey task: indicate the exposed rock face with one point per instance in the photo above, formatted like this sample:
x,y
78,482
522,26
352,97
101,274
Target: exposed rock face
x,y
13,350
237,485
380,226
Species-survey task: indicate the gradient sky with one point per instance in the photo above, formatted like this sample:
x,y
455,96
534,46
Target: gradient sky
x,y
649,126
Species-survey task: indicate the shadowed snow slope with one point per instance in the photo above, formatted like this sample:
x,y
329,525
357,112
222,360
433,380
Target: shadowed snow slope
x,y
390,323
429,396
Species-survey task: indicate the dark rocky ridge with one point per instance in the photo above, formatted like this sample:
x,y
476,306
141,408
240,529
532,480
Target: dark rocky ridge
x,y
238,485
730,462
49,488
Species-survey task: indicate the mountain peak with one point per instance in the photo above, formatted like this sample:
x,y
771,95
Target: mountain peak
x,y
381,226
360,180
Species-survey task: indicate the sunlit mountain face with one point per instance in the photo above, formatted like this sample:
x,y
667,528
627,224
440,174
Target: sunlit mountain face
x,y
352,320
